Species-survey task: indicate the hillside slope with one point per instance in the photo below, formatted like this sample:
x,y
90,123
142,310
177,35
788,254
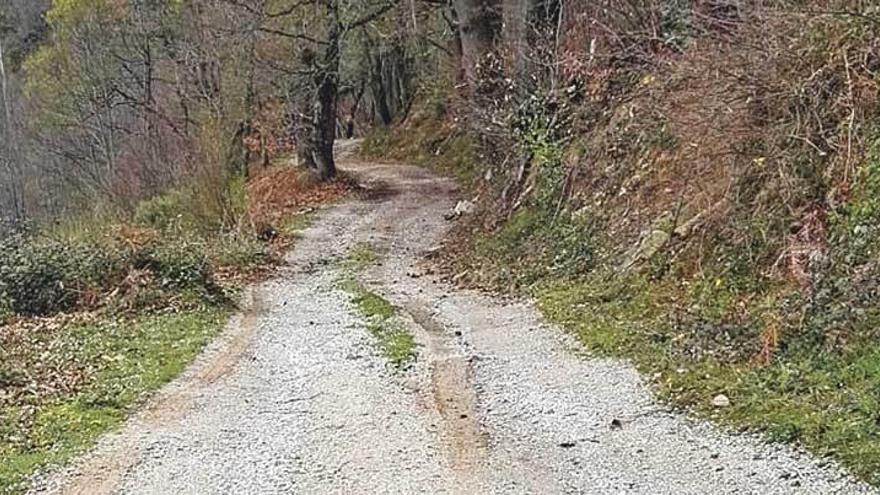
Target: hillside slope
x,y
709,212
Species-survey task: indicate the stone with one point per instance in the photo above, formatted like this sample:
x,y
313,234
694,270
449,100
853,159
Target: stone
x,y
721,400
463,207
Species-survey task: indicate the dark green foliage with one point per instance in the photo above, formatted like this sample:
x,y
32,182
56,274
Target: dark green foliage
x,y
40,276
843,310
43,276
177,264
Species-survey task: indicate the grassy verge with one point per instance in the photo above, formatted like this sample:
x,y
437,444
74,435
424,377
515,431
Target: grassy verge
x,y
119,361
827,402
392,339
96,315
733,308
425,140
787,370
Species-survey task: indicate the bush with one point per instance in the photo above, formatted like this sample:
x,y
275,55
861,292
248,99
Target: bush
x,y
561,245
238,251
43,276
181,264
161,212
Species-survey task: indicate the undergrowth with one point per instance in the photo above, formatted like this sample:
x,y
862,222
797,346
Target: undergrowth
x,y
798,367
99,311
766,293
425,140
826,401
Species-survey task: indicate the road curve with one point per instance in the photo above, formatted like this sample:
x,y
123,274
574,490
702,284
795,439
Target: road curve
x,y
293,397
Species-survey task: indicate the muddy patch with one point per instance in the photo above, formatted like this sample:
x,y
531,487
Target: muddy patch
x,y
452,389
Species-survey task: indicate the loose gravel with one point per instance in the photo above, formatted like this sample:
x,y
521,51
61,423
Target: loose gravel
x,y
295,398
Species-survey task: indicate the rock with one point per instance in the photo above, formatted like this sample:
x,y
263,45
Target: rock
x,y
616,424
648,246
463,207
721,400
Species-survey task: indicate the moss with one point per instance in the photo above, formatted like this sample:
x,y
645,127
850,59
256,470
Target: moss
x,y
360,257
389,333
391,337
372,305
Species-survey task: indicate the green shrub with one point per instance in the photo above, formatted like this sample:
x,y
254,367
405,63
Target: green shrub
x,y
163,211
43,276
181,264
238,251
562,245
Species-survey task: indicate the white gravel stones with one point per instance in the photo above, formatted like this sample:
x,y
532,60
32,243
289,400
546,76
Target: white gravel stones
x,y
497,403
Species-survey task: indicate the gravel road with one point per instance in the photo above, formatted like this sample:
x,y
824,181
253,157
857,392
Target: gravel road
x,y
293,397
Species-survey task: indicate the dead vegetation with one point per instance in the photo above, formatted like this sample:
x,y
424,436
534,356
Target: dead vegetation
x,y
693,186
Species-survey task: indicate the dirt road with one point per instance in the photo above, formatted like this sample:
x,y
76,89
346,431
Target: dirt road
x,y
294,398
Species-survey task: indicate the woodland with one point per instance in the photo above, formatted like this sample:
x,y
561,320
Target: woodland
x,y
693,185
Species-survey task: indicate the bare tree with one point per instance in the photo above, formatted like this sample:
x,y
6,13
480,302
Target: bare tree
x,y
316,31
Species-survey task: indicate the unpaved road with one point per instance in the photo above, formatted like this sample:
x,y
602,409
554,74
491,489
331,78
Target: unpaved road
x,y
293,398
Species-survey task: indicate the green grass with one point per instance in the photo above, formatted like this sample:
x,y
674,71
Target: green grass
x,y
828,402
702,335
361,256
395,343
389,334
127,359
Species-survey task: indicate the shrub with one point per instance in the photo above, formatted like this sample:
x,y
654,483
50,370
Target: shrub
x,y
238,251
41,276
561,245
181,264
161,212
44,276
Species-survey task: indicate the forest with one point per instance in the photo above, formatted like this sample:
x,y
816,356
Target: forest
x,y
690,185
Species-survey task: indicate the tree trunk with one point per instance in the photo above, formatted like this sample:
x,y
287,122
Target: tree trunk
x,y
515,31
327,82
325,129
380,95
355,106
376,76
13,181
477,27
303,130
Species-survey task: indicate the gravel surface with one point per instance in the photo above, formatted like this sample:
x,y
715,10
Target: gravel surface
x,y
294,398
